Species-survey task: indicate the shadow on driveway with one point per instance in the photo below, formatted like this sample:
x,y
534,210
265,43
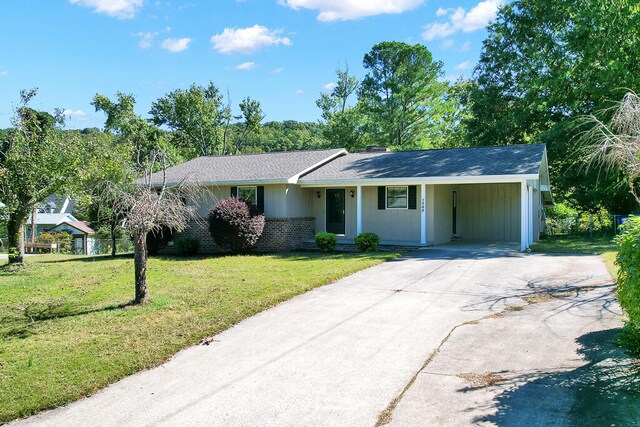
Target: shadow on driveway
x,y
605,391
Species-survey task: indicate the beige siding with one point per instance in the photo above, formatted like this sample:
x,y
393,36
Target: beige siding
x,y
400,225
209,198
443,195
489,212
299,202
275,202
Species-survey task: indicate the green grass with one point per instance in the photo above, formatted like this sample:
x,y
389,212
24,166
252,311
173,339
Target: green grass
x,y
67,329
575,245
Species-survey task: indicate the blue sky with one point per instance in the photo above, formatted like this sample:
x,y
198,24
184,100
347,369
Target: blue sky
x,y
283,53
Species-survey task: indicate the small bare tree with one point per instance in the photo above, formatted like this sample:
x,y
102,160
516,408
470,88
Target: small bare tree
x,y
615,144
148,207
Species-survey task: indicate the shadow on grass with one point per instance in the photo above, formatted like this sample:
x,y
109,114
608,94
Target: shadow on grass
x,y
84,258
18,323
604,391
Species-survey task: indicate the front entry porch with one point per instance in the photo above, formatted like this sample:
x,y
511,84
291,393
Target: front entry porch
x,y
427,214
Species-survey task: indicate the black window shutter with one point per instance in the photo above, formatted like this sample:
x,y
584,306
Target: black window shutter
x,y
412,197
382,194
260,198
234,191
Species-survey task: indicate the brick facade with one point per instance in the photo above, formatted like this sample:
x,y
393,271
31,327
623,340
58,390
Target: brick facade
x,y
279,235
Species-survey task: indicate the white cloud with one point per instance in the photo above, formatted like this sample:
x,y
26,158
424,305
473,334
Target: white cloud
x,y
146,39
461,20
463,66
329,86
121,9
299,92
465,46
277,70
247,40
176,45
4,73
245,66
343,10
447,44
77,115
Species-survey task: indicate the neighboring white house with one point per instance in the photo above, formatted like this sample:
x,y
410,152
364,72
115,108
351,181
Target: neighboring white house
x,y
409,198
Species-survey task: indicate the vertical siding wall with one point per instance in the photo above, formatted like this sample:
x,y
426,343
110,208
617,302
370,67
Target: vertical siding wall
x,y
443,217
399,225
489,212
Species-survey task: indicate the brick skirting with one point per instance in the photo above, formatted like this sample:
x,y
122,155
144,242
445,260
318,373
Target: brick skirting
x,y
279,235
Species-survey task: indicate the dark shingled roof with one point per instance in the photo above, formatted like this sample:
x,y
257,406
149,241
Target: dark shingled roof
x,y
269,167
474,161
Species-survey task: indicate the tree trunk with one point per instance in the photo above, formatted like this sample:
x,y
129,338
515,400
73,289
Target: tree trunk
x,y
113,241
140,266
16,238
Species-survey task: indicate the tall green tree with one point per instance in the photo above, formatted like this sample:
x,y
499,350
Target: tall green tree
x,y
401,96
546,63
36,160
342,121
198,116
251,116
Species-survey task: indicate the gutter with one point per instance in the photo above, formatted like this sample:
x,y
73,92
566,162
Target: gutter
x,y
479,179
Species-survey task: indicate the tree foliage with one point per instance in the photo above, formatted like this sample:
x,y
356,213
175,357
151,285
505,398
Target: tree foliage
x,y
342,121
36,160
401,96
616,144
546,63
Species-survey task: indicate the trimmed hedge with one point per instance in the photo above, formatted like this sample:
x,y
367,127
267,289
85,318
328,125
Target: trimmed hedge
x,y
234,226
367,241
327,242
628,284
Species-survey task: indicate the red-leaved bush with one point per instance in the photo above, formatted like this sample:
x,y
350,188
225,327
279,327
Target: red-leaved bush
x,y
233,226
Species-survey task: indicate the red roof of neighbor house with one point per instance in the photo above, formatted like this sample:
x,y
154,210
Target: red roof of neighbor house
x,y
78,225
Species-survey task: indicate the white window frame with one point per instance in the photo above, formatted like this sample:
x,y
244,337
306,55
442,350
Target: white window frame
x,y
386,196
255,192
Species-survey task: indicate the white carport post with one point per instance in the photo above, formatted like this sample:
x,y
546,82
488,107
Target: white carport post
x,y
524,216
530,223
423,214
358,209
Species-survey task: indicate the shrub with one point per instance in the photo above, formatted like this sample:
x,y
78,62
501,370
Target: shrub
x,y
367,241
629,274
62,238
234,226
326,241
188,246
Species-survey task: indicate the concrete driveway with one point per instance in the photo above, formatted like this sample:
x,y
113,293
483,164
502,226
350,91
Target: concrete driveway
x,y
343,353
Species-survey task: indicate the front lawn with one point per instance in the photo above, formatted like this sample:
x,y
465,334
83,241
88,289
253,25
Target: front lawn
x,y
67,329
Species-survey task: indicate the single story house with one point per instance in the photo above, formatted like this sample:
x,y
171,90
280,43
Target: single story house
x,y
409,198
